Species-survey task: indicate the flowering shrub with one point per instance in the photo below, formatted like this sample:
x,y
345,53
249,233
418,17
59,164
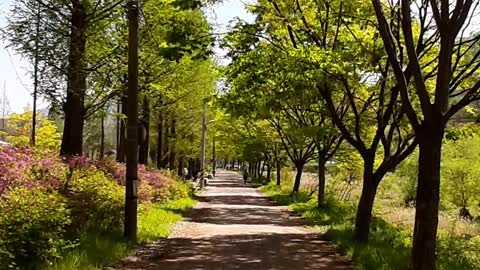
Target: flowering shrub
x,y
44,201
24,167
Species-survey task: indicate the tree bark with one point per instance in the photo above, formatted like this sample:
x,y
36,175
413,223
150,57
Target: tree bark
x,y
279,168
102,138
321,182
181,165
269,171
427,200
145,124
166,151
173,139
74,107
259,165
263,168
160,141
365,205
117,141
298,177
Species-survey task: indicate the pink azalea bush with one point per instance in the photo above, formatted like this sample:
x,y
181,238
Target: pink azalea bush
x,y
46,200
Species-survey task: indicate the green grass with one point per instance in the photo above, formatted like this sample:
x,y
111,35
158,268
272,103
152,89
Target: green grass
x,y
389,246
96,250
156,222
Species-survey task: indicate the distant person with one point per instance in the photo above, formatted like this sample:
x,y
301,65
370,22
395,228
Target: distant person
x,y
245,175
185,172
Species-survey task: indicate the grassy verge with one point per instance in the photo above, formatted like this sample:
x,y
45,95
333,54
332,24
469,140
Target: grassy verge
x,y
96,250
389,246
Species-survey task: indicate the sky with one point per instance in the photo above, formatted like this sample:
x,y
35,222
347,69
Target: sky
x,y
18,94
19,84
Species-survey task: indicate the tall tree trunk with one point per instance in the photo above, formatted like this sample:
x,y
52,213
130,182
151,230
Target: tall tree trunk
x,y
278,166
117,140
173,141
74,107
191,168
160,141
263,167
279,175
181,165
145,126
122,139
269,171
197,166
428,195
166,151
259,164
365,205
102,138
298,177
321,182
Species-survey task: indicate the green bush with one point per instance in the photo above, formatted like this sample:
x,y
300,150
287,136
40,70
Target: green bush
x,y
32,227
458,252
461,173
179,190
95,200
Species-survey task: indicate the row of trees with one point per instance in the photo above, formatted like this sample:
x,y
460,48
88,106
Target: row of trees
x,y
94,59
384,76
80,50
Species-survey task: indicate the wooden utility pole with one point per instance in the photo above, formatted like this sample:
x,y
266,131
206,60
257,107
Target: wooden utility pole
x,y
35,79
131,185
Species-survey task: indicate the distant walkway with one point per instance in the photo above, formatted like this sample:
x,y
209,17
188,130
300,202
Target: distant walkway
x,y
236,227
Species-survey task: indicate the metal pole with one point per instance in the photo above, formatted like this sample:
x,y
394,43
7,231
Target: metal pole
x,y
214,158
131,185
204,138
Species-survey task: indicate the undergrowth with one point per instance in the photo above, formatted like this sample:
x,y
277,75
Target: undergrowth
x,y
96,250
389,246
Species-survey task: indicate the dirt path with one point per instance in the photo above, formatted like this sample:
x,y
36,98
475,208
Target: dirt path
x,y
236,227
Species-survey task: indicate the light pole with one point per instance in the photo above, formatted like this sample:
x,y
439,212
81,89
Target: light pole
x,y
214,158
204,138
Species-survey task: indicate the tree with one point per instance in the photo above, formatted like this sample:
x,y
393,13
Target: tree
x,y
342,59
69,29
460,174
454,77
18,132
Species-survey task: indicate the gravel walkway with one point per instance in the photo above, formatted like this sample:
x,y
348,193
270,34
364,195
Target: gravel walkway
x,y
236,227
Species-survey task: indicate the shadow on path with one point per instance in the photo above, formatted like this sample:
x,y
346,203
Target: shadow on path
x,y
236,227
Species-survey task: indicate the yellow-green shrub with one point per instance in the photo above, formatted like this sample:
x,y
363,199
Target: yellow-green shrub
x,y
95,200
32,227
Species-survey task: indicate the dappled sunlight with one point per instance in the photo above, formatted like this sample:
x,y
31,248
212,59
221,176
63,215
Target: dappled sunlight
x,y
236,227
